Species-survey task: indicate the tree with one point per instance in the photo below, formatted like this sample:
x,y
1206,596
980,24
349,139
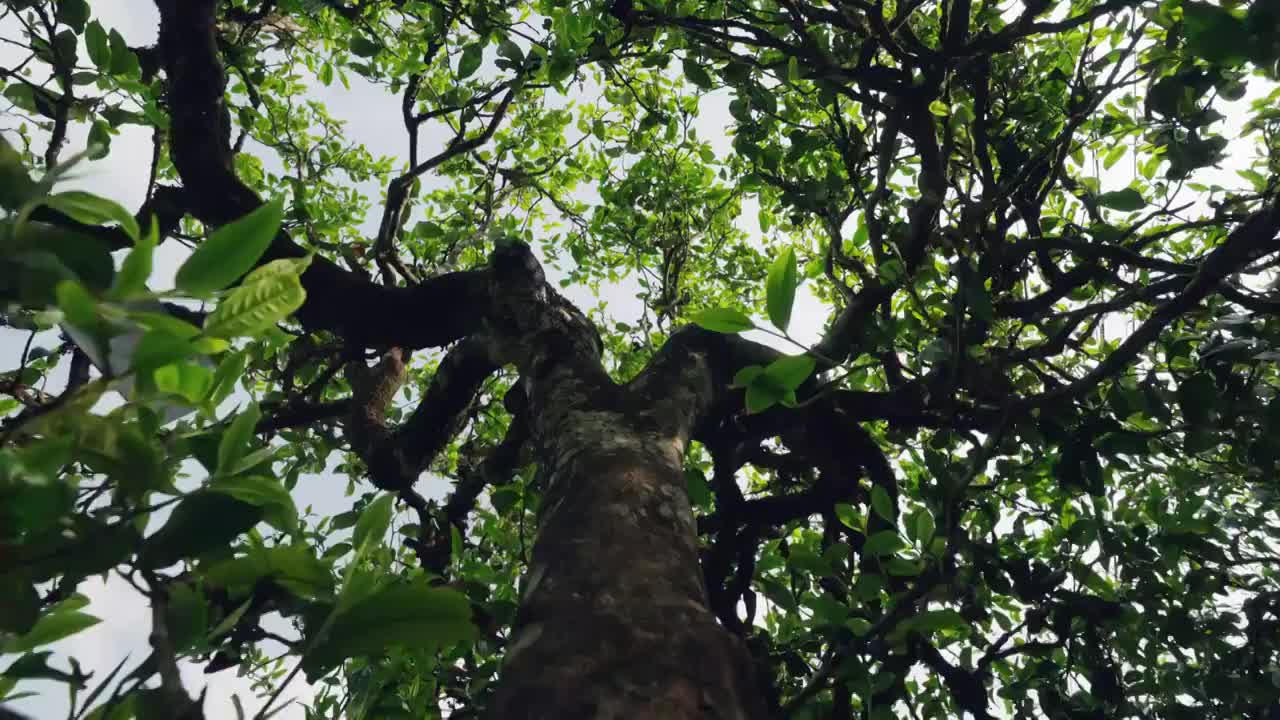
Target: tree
x,y
1026,467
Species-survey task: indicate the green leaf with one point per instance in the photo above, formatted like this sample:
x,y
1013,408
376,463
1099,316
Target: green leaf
x,y
235,441
73,13
231,251
791,371
123,60
19,604
780,289
1114,155
747,375
849,516
885,542
93,210
36,666
761,396
187,615
1213,32
699,490
723,320
61,622
158,348
77,305
264,492
922,526
939,108
403,615
374,521
937,620
697,74
1197,396
189,381
365,46
882,504
858,626
1127,199
793,69
131,281
15,184
511,51
95,39
292,566
504,498
470,61
225,377
256,306
201,522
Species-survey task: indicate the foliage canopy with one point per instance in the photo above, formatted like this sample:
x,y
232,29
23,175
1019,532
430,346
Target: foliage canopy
x,y
1017,456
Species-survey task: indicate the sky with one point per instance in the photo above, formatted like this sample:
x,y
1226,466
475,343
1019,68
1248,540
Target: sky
x,y
372,117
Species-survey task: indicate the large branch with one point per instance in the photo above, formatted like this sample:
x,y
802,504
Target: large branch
x,y
338,301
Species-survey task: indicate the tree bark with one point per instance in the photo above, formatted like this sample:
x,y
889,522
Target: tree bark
x,y
614,620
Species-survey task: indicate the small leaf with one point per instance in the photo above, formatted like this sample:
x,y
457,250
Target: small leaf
x,y
92,210
791,371
744,377
292,566
123,60
95,39
470,61
188,381
374,521
699,489
256,306
187,613
201,522
19,604
762,395
923,526
73,14
62,622
77,305
264,492
231,250
793,69
882,504
780,289
723,320
136,268
885,542
1127,199
364,46
697,74
15,184
409,615
858,626
849,516
1197,396
235,441
936,620
158,348
939,108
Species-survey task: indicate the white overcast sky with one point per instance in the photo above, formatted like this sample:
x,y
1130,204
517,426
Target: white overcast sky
x,y
373,119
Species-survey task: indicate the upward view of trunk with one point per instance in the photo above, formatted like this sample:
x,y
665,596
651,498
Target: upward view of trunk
x,y
613,619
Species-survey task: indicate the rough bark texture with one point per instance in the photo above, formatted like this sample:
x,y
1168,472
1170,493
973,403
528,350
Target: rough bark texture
x,y
614,620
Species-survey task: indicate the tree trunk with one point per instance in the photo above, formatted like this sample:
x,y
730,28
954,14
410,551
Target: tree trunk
x,y
614,619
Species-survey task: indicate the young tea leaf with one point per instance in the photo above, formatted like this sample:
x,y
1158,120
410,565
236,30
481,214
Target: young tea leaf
x,y
780,289
231,251
723,320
